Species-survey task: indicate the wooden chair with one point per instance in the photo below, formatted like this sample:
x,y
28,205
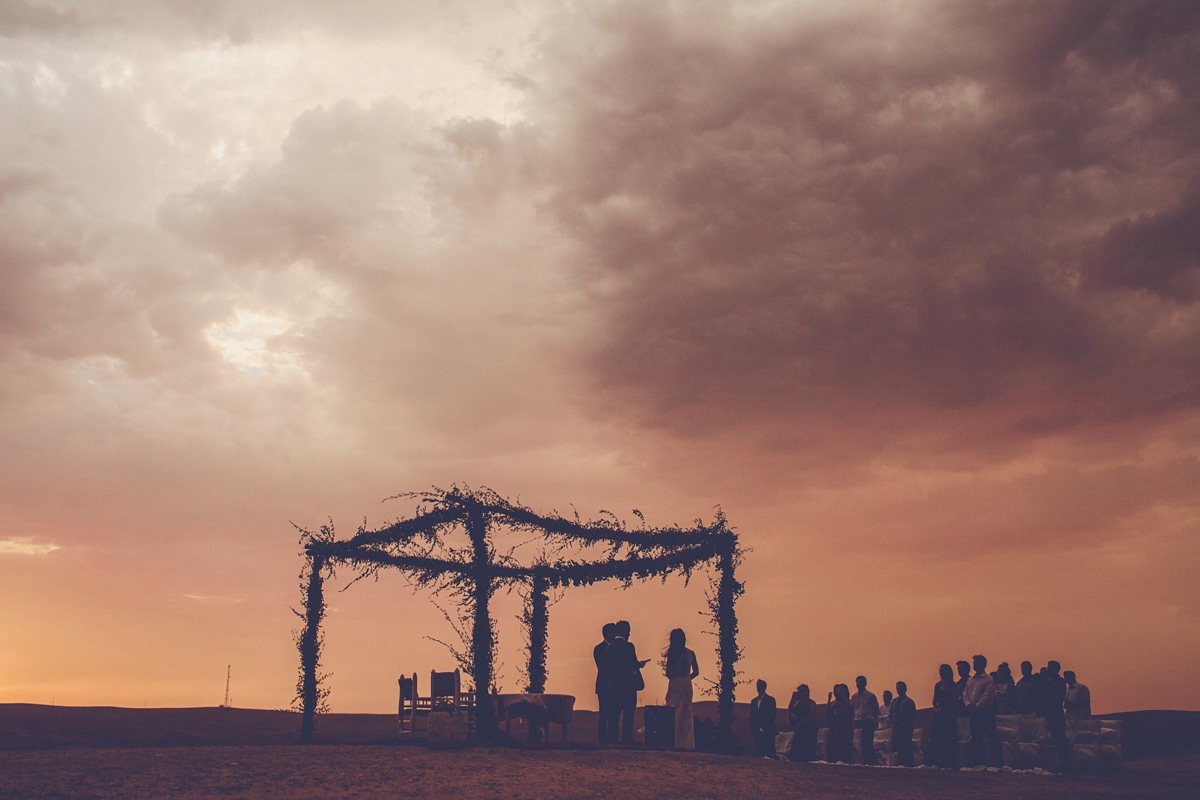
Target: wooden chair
x,y
407,710
446,687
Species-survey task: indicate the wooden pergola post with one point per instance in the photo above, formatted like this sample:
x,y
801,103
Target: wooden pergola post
x,y
539,622
728,589
482,643
310,646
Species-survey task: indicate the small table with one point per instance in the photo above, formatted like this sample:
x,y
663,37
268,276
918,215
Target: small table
x,y
539,710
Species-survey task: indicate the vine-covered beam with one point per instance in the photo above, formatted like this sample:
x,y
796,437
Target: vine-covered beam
x,y
476,572
405,529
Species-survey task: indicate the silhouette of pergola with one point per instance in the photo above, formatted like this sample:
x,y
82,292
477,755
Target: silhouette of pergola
x,y
419,547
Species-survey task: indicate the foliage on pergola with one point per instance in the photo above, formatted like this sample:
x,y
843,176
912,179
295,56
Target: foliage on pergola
x,y
472,574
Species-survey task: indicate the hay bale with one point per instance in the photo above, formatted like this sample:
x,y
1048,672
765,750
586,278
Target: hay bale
x,y
447,728
1033,729
918,740
1083,731
1012,754
1111,758
1085,757
783,744
1009,727
1030,755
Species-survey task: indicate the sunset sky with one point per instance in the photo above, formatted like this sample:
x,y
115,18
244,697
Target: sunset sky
x,y
911,290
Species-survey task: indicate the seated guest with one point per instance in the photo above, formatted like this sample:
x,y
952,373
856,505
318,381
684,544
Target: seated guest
x,y
802,719
1077,701
840,716
762,722
903,715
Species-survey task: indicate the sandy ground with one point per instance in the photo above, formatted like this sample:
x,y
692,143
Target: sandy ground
x,y
382,771
55,752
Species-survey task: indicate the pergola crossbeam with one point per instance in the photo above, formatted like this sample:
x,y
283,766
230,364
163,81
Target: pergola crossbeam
x,y
474,574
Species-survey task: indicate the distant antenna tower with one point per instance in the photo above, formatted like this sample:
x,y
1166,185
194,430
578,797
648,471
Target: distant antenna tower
x,y
228,669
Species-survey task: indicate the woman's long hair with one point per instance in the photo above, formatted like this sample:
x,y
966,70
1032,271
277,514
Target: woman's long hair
x,y
674,652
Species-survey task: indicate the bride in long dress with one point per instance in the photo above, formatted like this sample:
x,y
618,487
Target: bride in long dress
x,y
680,668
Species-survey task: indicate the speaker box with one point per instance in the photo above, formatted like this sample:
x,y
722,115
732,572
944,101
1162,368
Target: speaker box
x,y
660,726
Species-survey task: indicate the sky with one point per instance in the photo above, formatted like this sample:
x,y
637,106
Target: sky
x,y
909,290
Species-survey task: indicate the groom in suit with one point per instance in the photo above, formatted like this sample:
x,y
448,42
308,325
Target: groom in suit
x,y
762,722
624,682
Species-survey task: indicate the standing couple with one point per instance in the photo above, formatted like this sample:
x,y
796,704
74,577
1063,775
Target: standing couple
x,y
619,679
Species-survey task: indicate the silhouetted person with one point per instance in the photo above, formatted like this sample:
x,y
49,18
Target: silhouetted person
x,y
839,714
1027,700
624,682
885,711
1077,702
762,722
1006,696
866,714
979,698
904,716
1053,692
680,668
802,719
943,747
964,672
603,695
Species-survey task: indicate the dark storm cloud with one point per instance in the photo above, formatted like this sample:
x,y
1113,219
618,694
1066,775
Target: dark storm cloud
x,y
902,218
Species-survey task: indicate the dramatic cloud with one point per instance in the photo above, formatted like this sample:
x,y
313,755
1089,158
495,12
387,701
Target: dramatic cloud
x,y
966,224
911,290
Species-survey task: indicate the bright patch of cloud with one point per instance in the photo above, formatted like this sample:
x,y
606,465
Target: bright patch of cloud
x,y
25,546
247,343
201,598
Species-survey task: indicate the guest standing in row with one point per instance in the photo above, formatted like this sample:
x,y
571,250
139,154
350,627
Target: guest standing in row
x,y
839,714
903,715
979,699
1006,696
1027,699
762,722
964,674
885,712
1053,690
1077,702
680,668
802,719
866,713
943,749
